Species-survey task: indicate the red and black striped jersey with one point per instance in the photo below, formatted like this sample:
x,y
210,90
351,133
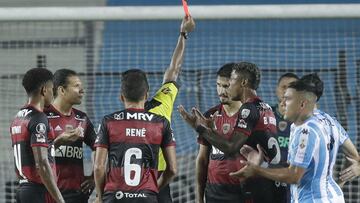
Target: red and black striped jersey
x,y
69,157
257,121
219,184
133,138
30,128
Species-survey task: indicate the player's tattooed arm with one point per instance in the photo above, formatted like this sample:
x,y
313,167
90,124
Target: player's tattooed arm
x,y
172,73
45,172
230,147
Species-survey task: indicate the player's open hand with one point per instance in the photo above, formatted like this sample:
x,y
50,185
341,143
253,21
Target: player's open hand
x,y
88,185
188,118
187,25
351,172
253,156
247,171
202,120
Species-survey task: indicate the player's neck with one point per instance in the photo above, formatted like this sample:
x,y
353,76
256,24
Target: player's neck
x,y
62,106
134,105
36,102
232,108
248,94
302,118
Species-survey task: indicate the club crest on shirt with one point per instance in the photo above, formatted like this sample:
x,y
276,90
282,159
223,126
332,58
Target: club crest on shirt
x,y
282,125
41,128
245,113
302,144
166,90
226,128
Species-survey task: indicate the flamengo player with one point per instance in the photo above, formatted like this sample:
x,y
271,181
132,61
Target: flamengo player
x,y
130,140
256,124
31,139
212,165
72,128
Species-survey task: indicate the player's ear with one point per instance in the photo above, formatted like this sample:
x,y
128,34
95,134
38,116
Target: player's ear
x,y
61,90
244,82
43,90
122,99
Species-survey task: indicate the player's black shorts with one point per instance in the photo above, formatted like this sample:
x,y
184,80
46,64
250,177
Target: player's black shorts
x,y
282,192
32,193
74,196
259,190
164,195
224,193
129,197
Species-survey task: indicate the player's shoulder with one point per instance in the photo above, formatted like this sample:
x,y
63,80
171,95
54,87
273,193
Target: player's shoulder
x,y
30,113
212,110
79,114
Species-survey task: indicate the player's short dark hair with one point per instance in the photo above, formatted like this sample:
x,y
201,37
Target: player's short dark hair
x,y
134,85
309,83
35,78
288,75
249,71
225,70
61,78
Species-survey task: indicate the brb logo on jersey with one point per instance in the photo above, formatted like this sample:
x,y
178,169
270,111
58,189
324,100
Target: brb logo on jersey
x,y
69,152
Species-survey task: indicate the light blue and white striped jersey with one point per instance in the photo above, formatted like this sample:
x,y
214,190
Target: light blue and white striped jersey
x,y
311,148
338,136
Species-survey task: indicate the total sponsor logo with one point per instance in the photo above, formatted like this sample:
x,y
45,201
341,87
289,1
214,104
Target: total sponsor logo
x,y
120,195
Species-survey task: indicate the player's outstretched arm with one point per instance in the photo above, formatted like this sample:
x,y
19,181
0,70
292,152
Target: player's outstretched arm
x,y
230,146
290,175
172,73
171,167
99,172
202,162
45,173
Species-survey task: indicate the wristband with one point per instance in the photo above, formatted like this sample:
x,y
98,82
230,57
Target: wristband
x,y
184,34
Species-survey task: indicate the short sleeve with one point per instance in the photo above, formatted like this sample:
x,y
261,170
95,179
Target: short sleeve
x,y
89,134
247,119
38,129
343,135
303,147
102,139
163,101
168,136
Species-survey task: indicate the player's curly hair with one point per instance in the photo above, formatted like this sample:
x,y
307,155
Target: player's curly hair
x,y
35,78
249,71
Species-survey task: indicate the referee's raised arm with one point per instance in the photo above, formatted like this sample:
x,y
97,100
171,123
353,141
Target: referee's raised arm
x,y
172,72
